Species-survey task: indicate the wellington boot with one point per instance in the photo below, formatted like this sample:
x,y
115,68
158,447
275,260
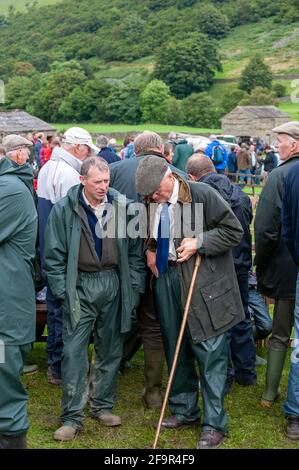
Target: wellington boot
x,y
29,369
275,363
13,441
153,372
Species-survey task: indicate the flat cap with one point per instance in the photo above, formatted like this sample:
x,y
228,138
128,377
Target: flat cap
x,y
150,172
14,142
289,128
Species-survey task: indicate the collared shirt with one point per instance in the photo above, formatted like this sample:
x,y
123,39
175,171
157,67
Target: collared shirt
x,y
172,202
253,159
99,209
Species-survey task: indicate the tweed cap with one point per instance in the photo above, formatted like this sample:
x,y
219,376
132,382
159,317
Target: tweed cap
x,y
289,128
14,142
150,172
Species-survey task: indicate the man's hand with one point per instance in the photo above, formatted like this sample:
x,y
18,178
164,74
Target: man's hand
x,y
187,248
151,262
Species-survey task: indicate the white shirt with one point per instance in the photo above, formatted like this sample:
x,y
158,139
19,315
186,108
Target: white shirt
x,y
99,209
253,159
172,200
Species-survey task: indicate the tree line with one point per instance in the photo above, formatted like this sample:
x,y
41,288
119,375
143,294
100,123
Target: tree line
x,y
51,66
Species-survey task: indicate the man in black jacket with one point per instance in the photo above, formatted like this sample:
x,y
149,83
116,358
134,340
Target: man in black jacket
x,y
242,347
275,268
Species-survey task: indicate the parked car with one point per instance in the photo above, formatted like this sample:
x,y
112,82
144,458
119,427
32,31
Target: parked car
x,y
227,138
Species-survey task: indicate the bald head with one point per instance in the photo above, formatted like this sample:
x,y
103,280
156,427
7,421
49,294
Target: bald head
x,y
199,166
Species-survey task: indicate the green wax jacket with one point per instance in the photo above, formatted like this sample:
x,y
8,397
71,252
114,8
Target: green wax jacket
x,y
18,229
62,240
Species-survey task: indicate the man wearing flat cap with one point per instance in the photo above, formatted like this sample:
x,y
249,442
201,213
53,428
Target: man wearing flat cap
x,y
17,148
18,227
216,304
275,268
290,234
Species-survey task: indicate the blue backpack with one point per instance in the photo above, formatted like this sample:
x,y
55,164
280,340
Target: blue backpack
x,y
217,155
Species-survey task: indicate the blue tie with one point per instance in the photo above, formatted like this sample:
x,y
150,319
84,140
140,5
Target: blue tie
x,y
163,240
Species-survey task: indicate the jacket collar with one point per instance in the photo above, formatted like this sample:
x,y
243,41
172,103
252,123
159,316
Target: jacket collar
x,y
150,152
60,153
289,159
185,195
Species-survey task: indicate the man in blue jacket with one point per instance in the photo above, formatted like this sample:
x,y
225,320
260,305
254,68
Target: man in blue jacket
x,y
217,153
290,234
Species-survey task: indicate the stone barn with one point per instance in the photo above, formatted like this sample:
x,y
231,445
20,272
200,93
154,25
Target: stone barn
x,y
16,121
253,121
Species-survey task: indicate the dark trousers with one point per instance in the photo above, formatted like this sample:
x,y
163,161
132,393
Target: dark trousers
x,y
241,342
283,321
259,314
145,326
54,338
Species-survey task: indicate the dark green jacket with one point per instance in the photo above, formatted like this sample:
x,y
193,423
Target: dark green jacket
x,y
182,153
62,240
275,267
216,303
18,229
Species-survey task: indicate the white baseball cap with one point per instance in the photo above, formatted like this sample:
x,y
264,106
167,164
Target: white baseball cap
x,y
77,135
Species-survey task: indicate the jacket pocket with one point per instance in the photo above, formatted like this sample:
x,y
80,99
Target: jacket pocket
x,y
219,301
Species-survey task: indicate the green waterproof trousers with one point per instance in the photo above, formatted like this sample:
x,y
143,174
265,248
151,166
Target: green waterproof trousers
x,y
211,355
99,295
13,396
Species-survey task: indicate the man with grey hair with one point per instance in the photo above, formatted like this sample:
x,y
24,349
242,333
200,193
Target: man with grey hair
x,y
275,268
18,228
55,178
106,152
98,274
2,152
241,367
210,230
147,326
290,234
17,148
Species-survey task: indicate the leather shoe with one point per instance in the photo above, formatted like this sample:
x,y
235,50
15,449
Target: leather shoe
x,y
292,431
210,439
172,422
108,419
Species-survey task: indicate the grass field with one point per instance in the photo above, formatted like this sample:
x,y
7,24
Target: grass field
x,y
21,4
291,108
277,43
250,426
123,128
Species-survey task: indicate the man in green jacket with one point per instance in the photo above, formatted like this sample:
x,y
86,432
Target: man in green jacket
x,y
18,228
182,152
192,218
98,272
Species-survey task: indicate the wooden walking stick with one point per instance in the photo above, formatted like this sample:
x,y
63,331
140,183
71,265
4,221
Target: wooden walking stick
x,y
178,347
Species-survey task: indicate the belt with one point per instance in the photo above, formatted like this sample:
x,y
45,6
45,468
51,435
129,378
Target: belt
x,y
172,263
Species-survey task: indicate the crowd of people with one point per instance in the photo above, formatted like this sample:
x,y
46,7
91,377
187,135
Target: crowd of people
x,y
124,281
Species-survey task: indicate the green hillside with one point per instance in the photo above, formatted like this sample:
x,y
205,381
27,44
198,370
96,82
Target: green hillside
x,y
91,60
20,5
